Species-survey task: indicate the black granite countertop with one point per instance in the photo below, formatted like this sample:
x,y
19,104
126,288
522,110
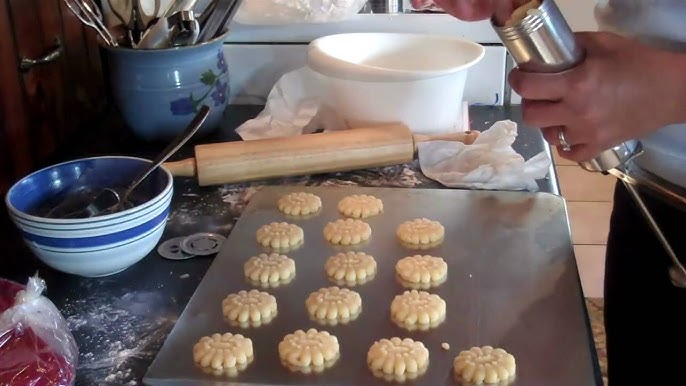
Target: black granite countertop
x,y
121,321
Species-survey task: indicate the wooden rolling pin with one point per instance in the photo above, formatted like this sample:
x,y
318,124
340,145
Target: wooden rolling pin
x,y
230,162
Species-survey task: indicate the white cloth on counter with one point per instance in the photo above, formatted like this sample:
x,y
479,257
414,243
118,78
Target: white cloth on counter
x,y
489,163
293,108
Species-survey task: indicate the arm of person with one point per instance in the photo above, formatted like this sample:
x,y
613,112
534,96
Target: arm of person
x,y
622,90
474,10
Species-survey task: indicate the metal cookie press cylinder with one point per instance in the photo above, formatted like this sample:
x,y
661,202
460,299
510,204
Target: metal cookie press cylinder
x,y
542,41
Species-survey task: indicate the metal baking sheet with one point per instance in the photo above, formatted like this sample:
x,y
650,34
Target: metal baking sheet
x,y
512,283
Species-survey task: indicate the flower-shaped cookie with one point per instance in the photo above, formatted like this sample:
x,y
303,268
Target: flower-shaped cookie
x,y
484,365
398,359
309,351
223,353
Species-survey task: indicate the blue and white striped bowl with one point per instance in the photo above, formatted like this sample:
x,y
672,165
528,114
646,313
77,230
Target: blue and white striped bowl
x,y
97,246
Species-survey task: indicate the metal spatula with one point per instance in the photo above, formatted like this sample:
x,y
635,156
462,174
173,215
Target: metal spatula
x,y
109,200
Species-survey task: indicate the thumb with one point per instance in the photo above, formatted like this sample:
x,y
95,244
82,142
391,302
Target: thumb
x,y
421,4
595,41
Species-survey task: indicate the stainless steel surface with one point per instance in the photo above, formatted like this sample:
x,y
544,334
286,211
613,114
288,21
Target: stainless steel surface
x,y
542,41
178,29
383,6
512,282
394,6
614,157
159,35
189,31
202,244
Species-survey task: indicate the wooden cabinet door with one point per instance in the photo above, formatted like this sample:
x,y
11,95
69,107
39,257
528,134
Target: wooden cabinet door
x,y
41,105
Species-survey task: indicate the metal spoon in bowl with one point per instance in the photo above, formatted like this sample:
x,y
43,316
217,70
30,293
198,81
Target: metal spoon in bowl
x,y
109,201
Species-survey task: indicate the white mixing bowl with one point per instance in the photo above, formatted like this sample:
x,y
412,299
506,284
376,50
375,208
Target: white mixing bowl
x,y
377,78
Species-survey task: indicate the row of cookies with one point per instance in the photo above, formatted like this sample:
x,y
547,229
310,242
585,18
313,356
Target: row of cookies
x,y
419,233
393,359
412,310
348,268
307,204
315,350
333,305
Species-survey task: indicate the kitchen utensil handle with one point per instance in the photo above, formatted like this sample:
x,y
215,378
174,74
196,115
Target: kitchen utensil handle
x,y
26,63
183,168
656,230
172,148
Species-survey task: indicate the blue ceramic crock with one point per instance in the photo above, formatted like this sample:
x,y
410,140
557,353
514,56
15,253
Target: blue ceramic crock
x,y
158,92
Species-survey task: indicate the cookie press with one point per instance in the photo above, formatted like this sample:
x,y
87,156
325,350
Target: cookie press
x,y
540,40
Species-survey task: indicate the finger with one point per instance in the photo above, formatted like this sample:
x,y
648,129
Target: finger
x,y
502,11
588,40
566,154
421,4
467,10
580,153
552,136
545,113
539,86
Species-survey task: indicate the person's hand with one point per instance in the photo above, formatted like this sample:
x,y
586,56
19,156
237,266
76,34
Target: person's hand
x,y
622,90
473,10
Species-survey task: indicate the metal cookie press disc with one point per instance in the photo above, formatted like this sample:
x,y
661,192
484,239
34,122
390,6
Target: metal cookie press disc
x,y
202,244
171,249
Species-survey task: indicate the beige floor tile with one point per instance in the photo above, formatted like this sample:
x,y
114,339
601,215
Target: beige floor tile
x,y
590,221
591,262
576,184
557,160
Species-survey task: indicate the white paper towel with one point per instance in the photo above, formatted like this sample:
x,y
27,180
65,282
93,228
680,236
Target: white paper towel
x,y
293,108
489,163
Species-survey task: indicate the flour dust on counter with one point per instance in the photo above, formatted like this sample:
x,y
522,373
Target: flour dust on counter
x,y
237,196
227,202
115,336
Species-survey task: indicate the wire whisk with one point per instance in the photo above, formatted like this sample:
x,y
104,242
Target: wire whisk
x,y
90,15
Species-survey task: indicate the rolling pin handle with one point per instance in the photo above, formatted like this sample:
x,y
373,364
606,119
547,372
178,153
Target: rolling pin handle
x,y
183,168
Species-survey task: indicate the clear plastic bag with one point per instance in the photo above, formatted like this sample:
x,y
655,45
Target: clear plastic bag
x,y
36,346
282,12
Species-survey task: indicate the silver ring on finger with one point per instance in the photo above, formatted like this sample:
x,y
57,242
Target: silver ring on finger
x,y
563,141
